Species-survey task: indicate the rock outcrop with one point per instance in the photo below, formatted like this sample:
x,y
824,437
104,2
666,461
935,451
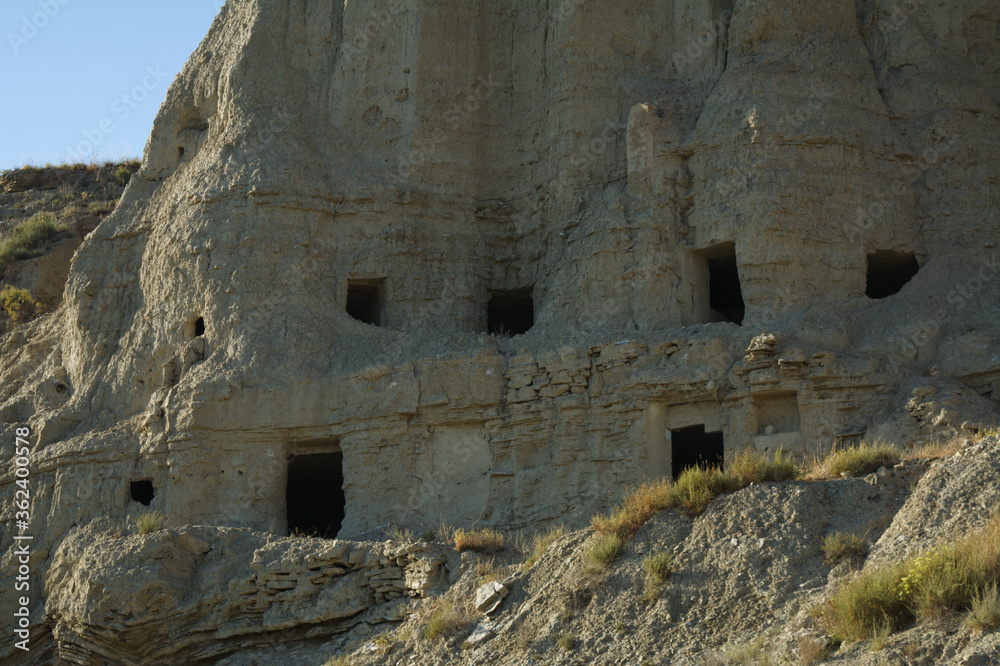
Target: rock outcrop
x,y
493,261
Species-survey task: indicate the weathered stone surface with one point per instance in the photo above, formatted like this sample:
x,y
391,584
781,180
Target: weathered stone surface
x,y
19,180
489,595
604,155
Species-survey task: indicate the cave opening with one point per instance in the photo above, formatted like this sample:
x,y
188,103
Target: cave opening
x,y
364,301
142,491
725,294
315,494
510,312
888,271
693,446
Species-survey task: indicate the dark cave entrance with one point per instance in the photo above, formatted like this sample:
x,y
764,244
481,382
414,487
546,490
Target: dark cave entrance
x,y
364,301
888,271
725,295
510,312
692,446
141,491
314,495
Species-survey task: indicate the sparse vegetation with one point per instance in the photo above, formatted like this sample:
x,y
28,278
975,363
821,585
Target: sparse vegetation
x,y
397,533
481,540
428,535
694,489
985,610
944,580
149,521
812,650
749,466
751,652
96,207
493,570
18,304
121,175
840,546
854,461
447,618
936,449
27,239
566,641
337,661
881,636
657,573
541,542
638,507
603,552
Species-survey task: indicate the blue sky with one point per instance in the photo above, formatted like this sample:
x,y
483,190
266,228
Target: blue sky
x,y
83,79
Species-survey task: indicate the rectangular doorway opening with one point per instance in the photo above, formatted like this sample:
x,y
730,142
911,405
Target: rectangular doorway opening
x,y
693,446
314,494
364,300
510,312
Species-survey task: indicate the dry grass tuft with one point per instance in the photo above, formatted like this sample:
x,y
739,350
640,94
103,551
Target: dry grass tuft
x,y
603,552
864,458
481,540
839,546
446,619
638,507
984,612
658,572
541,542
566,641
812,650
149,521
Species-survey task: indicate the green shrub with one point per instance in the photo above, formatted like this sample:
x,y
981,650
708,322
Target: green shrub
x,y
658,566
27,239
18,304
944,580
149,521
657,573
603,552
121,176
397,533
482,540
839,546
697,486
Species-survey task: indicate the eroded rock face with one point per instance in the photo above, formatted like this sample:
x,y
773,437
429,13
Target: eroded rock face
x,y
686,202
156,598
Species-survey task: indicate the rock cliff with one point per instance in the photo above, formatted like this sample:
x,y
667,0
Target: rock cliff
x,y
491,262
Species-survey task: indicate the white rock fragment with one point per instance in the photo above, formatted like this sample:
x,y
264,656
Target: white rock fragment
x,y
489,596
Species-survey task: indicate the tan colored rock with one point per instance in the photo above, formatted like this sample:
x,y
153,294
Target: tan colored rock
x,y
332,194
